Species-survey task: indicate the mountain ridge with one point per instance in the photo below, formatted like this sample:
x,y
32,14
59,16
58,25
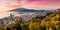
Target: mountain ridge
x,y
27,10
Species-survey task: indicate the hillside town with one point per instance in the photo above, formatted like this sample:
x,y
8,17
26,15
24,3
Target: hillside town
x,y
12,19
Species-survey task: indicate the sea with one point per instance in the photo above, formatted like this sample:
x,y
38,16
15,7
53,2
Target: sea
x,y
19,12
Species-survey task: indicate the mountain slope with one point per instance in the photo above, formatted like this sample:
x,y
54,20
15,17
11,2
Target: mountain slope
x,y
27,10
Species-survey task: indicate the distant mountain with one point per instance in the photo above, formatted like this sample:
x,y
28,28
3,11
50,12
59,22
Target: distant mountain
x,y
23,10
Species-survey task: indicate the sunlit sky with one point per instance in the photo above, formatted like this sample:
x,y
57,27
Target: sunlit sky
x,y
31,4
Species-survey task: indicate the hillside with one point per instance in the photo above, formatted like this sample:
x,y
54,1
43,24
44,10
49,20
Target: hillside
x,y
48,22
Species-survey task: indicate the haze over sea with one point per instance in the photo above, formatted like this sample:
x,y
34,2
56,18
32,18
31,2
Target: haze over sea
x,y
6,13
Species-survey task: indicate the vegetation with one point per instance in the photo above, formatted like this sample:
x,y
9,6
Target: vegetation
x,y
49,22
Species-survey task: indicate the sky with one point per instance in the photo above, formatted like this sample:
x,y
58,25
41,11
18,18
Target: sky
x,y
33,4
6,5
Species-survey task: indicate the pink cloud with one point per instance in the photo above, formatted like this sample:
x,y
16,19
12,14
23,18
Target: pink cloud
x,y
35,3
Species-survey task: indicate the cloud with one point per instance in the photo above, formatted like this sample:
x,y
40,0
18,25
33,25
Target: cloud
x,y
35,4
